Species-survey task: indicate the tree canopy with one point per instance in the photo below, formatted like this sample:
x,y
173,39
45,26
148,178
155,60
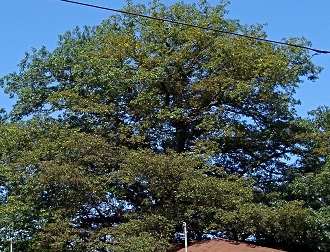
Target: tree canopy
x,y
132,127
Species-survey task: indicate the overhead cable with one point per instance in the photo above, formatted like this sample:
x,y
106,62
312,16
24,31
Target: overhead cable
x,y
317,51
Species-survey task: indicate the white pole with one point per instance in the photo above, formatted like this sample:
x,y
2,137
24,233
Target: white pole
x,y
11,244
185,237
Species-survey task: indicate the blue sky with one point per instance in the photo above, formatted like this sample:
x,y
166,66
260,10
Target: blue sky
x,y
34,23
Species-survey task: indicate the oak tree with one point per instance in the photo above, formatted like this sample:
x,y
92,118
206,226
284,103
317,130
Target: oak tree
x,y
129,128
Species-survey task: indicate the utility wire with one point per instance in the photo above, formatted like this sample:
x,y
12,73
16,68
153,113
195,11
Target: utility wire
x,y
317,51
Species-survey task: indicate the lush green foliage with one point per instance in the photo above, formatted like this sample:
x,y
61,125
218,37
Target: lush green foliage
x,y
130,128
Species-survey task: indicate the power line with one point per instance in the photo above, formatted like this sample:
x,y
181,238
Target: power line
x,y
197,26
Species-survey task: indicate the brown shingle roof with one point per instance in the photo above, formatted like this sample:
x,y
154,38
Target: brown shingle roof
x,y
221,245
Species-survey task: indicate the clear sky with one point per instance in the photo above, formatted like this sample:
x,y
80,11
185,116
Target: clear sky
x,y
34,23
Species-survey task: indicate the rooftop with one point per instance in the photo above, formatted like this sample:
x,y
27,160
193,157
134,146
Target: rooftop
x,y
223,246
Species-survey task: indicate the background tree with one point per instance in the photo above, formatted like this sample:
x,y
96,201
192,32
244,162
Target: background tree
x,y
129,128
311,183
